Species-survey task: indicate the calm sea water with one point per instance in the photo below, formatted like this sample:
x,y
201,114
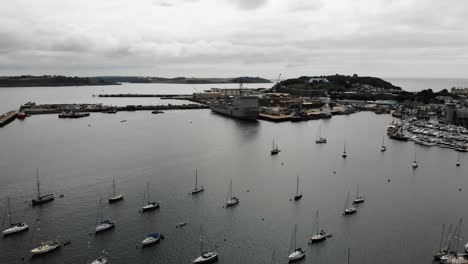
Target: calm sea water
x,y
400,222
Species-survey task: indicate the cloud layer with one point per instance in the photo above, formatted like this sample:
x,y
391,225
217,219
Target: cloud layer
x,y
404,38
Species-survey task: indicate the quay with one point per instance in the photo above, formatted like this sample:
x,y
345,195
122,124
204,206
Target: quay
x,y
33,109
165,96
7,118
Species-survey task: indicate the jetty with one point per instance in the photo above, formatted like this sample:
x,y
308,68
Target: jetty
x,y
7,118
33,109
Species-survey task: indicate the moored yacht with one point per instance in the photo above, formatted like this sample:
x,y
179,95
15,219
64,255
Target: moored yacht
x,y
115,197
205,256
349,210
231,200
151,239
46,247
295,253
41,198
100,260
14,227
149,205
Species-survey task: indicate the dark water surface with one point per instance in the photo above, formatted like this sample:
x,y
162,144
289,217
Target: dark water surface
x,y
400,221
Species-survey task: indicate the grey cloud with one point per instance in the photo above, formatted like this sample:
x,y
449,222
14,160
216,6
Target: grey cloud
x,y
248,4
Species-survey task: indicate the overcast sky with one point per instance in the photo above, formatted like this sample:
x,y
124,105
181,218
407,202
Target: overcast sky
x,y
205,38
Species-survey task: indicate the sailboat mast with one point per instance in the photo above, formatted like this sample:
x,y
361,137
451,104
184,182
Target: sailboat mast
x,y
349,254
357,191
297,186
113,186
196,179
230,189
442,236
295,231
147,190
38,185
316,223
9,209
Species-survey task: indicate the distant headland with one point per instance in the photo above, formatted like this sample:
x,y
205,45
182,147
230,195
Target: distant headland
x,y
59,80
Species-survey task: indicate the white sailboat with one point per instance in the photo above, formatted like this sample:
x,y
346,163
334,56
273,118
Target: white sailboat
x,y
344,155
359,198
102,225
383,147
318,236
231,200
197,189
295,253
415,162
13,228
348,210
458,160
46,247
275,150
149,205
151,239
298,195
115,198
100,260
205,256
319,139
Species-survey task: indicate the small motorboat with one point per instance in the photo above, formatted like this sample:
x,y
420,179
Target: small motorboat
x,y
415,164
105,225
181,224
15,228
46,247
151,239
206,257
157,112
100,260
383,148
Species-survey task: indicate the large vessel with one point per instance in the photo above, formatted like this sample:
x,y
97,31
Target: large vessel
x,y
242,107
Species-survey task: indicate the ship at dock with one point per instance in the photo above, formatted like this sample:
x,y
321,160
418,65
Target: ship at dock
x,y
242,107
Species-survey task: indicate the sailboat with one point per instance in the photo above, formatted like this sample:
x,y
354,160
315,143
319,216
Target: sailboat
x,y
41,199
197,189
298,195
348,210
46,247
115,198
415,162
151,239
442,251
149,205
102,225
100,260
383,147
295,253
359,199
231,200
318,236
349,255
205,256
319,139
344,155
275,150
14,227
458,160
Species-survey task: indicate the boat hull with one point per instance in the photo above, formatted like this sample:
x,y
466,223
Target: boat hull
x,y
349,211
207,257
15,229
233,201
45,248
42,200
297,197
195,191
116,199
150,241
150,207
100,260
296,255
318,238
103,227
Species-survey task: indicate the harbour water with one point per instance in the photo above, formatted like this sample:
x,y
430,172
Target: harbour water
x,y
400,221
